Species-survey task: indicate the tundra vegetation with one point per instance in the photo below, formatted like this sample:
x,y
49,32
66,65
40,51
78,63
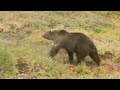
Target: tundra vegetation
x,y
24,52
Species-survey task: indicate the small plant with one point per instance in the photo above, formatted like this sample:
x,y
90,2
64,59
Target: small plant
x,y
7,61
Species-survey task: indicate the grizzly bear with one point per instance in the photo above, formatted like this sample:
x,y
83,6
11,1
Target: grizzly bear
x,y
77,43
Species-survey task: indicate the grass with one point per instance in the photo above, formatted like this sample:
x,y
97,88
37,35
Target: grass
x,y
24,53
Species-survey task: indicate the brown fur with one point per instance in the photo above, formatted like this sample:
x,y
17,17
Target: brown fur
x,y
73,43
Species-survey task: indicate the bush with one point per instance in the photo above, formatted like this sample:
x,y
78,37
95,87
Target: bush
x,y
7,62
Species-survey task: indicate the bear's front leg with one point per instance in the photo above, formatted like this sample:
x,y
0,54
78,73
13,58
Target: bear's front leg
x,y
54,50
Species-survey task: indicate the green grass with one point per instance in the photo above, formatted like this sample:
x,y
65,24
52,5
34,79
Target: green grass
x,y
24,55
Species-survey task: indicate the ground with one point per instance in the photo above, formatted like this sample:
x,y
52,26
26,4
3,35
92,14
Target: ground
x,y
24,53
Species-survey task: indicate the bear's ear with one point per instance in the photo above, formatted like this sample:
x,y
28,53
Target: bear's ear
x,y
50,32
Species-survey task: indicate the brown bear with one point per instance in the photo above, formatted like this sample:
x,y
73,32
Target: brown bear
x,y
77,43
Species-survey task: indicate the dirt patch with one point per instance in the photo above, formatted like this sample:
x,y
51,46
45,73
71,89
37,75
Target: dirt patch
x,y
63,53
22,66
107,56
